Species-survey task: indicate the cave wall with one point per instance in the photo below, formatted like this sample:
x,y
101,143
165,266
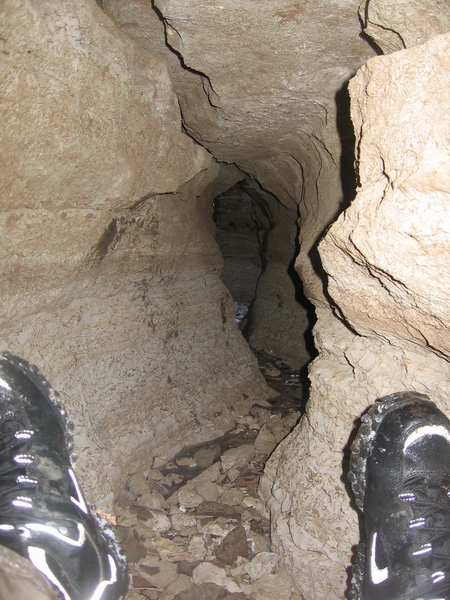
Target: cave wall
x,y
109,267
257,85
279,316
386,260
110,271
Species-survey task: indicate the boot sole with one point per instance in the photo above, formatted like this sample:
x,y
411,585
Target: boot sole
x,y
32,373
361,450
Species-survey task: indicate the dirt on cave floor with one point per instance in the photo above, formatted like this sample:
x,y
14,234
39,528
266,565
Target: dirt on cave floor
x,y
193,527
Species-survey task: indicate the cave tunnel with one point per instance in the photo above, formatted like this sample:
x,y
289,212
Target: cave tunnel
x,y
186,187
245,218
242,228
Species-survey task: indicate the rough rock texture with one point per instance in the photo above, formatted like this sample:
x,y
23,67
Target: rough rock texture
x,y
403,23
388,274
109,268
265,96
20,580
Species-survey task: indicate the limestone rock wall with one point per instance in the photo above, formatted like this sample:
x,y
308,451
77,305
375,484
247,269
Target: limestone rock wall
x,y
272,73
257,87
109,267
278,319
386,259
403,23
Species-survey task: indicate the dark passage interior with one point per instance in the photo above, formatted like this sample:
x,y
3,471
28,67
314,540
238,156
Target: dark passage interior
x,y
242,228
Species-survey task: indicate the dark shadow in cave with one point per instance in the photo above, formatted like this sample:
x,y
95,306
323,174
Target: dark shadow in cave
x,y
363,21
347,138
242,226
244,221
311,314
349,183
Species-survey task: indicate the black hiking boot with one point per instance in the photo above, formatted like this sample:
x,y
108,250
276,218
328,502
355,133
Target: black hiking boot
x,y
400,474
43,514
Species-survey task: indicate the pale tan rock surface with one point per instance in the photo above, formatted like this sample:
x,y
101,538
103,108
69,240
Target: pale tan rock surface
x,y
388,257
388,273
264,96
109,268
403,23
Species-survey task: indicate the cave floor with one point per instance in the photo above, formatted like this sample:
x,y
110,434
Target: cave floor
x,y
193,527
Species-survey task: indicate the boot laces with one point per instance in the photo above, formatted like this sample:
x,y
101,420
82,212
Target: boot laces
x,y
431,521
16,486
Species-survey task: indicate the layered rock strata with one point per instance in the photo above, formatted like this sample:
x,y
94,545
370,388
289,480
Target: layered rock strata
x,y
109,267
388,279
260,87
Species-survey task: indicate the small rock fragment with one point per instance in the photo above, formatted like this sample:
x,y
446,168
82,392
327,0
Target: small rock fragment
x,y
271,371
154,520
125,499
182,522
158,572
232,497
138,484
134,549
201,546
262,564
204,591
180,584
270,586
144,535
141,582
238,567
186,567
216,509
159,461
155,474
260,413
188,498
208,490
237,457
136,595
212,473
265,440
207,572
258,543
171,551
128,518
249,479
172,479
233,545
185,461
155,486
219,527
250,421
280,427
206,456
151,500
233,473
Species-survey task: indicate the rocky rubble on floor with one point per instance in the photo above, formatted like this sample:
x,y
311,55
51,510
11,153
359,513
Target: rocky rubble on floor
x,y
193,528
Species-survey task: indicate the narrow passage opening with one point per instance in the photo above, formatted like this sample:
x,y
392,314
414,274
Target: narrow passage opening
x,y
242,227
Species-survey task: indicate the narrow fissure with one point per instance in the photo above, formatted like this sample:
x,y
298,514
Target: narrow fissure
x,y
242,228
195,517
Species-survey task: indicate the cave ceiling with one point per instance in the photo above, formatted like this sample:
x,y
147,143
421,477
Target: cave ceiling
x,y
256,80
